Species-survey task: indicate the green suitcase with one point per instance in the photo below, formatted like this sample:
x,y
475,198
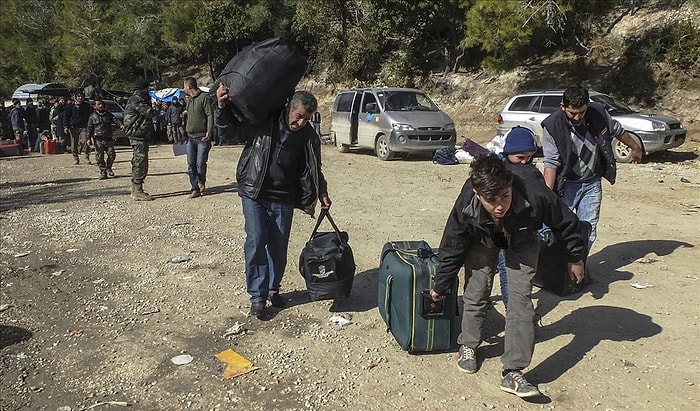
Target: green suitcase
x,y
407,270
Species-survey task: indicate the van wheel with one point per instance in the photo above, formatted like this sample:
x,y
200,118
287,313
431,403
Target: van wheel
x,y
622,153
343,148
382,149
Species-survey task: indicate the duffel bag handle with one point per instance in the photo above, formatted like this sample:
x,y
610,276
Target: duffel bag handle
x,y
325,214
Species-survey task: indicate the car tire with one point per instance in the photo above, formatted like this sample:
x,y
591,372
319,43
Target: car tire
x,y
381,148
343,148
622,153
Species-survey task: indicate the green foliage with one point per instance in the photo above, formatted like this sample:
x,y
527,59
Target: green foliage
x,y
499,28
27,57
682,46
380,42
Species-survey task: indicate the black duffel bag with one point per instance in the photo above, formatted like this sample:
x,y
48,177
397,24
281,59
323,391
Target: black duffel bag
x,y
327,263
261,78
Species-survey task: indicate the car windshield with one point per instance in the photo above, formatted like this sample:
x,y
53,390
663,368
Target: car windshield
x,y
613,106
406,100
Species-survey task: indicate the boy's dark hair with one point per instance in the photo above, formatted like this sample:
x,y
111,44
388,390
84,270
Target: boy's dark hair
x,y
490,176
575,96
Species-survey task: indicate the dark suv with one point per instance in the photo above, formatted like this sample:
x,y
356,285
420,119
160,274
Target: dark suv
x,y
653,132
118,113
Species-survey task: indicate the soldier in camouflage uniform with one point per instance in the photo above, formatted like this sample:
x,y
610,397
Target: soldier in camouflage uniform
x,y
138,125
100,128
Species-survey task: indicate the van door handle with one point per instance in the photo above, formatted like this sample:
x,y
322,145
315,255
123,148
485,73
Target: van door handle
x,y
531,119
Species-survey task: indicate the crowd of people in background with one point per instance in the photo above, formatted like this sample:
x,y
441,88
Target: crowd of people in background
x,y
30,123
81,125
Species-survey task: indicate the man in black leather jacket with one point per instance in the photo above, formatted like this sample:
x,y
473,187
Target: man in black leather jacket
x,y
495,210
278,170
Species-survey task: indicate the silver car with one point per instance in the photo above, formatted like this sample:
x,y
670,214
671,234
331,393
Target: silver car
x,y
390,120
653,132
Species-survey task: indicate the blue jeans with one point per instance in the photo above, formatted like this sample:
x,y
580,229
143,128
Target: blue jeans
x,y
584,199
197,156
267,227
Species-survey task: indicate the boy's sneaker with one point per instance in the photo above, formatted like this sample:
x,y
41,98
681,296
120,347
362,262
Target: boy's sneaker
x,y
515,383
103,176
467,360
110,172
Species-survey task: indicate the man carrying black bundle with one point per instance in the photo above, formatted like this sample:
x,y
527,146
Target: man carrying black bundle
x,y
278,170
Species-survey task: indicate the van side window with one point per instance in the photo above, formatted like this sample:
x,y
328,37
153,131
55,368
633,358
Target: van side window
x,y
367,98
345,102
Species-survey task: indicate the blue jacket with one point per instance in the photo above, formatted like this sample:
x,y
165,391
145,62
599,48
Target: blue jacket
x,y
17,118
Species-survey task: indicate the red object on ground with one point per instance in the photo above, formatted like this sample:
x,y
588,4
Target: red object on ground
x,y
50,147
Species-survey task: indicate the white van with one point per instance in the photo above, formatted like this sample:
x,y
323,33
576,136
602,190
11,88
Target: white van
x,y
389,120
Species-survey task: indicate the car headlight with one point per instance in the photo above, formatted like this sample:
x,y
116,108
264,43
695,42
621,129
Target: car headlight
x,y
658,126
449,127
402,127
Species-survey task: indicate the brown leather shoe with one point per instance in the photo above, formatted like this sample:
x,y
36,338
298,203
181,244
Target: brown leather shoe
x,y
201,187
195,194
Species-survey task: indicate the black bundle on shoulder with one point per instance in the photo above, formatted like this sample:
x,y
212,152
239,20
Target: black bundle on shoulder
x,y
261,78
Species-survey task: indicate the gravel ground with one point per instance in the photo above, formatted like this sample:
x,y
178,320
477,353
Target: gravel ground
x,y
93,310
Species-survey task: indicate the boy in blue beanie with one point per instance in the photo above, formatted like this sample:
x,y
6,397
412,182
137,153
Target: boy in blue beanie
x,y
518,150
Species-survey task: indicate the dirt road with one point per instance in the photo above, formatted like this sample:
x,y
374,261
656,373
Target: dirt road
x,y
93,311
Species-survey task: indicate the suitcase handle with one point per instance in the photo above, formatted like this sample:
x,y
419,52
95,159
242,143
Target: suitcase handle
x,y
421,253
387,302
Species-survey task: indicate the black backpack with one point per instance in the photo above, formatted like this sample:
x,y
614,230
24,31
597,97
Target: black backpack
x,y
445,156
261,78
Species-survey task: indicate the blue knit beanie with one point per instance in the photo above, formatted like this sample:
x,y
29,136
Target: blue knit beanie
x,y
519,140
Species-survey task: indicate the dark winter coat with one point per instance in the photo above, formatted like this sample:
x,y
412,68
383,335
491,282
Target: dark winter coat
x,y
138,116
559,127
76,116
101,126
532,205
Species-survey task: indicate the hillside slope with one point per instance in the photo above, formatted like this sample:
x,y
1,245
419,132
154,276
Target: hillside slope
x,y
474,99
